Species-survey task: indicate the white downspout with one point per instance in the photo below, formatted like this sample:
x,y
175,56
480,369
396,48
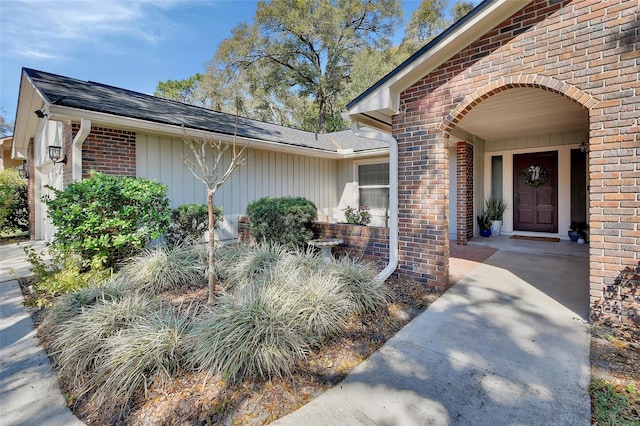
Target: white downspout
x,y
76,167
393,195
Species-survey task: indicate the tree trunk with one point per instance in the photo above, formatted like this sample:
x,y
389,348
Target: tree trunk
x,y
212,256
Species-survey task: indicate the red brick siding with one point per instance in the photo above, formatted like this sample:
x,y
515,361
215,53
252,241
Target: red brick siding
x,y
68,133
585,50
109,151
464,190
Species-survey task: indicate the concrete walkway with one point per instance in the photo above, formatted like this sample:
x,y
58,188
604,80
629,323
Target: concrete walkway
x,y
29,394
496,349
507,345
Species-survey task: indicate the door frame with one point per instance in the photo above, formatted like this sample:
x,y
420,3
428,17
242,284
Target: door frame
x,y
548,190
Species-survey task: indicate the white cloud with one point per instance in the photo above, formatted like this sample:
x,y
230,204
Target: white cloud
x,y
48,29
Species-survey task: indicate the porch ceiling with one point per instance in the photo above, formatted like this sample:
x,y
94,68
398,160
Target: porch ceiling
x,y
524,111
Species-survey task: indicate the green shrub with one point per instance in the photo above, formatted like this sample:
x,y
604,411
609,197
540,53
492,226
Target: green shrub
x,y
287,221
61,275
189,222
13,201
105,219
164,268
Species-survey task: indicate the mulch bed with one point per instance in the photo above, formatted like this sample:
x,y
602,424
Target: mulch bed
x,y
193,399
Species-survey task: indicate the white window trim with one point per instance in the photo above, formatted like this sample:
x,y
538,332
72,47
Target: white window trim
x,y
356,177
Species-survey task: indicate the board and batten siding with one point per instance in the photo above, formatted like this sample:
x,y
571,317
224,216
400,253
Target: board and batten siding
x,y
265,173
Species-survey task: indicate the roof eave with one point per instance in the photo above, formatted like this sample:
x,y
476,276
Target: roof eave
x,y
382,100
63,113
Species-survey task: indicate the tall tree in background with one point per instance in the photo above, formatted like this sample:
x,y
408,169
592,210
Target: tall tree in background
x,y
459,9
305,49
6,127
188,91
427,21
301,61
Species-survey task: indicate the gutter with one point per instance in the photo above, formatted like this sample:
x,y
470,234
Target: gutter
x,y
76,162
393,195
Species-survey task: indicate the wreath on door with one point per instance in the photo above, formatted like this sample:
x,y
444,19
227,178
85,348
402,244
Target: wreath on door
x,y
534,176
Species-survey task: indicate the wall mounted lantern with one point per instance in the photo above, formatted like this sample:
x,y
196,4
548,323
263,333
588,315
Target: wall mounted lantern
x,y
23,172
584,147
55,153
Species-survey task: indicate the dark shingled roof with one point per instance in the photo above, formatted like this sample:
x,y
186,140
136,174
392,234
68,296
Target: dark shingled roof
x,y
91,96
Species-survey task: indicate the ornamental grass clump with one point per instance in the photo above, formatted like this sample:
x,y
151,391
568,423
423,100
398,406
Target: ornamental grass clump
x,y
70,305
249,334
164,268
81,341
365,292
149,350
285,304
255,264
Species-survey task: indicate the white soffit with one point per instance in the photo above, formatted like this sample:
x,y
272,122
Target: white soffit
x,y
524,111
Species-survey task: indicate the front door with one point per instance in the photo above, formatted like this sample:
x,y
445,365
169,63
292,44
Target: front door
x,y
535,183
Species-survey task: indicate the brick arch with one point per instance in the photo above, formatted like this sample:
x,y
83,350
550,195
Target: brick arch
x,y
504,83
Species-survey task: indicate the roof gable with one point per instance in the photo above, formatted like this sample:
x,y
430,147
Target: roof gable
x,y
380,102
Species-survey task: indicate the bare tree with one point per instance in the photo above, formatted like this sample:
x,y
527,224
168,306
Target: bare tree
x,y
209,174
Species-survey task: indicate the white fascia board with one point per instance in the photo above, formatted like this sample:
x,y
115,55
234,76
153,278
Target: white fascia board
x,y
386,98
62,113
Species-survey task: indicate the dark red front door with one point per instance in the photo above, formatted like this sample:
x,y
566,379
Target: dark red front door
x,y
535,183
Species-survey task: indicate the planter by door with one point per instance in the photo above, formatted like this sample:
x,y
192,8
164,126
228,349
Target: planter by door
x,y
496,227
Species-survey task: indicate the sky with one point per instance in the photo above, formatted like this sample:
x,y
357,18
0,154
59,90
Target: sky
x,y
132,44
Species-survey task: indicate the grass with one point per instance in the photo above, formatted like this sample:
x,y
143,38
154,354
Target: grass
x,y
614,405
110,342
164,268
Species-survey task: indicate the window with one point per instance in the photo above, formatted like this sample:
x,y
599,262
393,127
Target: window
x,y
373,185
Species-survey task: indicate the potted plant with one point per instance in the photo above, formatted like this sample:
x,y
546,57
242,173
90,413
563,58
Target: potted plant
x,y
359,216
577,232
484,224
495,208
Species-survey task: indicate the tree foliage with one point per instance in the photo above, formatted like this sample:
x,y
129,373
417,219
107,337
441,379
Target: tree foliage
x,y
188,91
287,221
6,127
299,62
105,218
13,200
305,49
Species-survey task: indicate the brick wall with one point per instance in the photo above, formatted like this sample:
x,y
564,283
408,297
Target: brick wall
x,y
370,243
585,50
108,150
464,192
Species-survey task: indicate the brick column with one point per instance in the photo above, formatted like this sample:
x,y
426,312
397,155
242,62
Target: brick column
x,y
464,192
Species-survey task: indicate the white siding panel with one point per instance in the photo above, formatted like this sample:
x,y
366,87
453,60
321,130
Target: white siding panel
x,y
265,173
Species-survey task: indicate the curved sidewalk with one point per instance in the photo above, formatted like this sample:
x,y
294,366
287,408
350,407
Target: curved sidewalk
x,y
498,348
29,394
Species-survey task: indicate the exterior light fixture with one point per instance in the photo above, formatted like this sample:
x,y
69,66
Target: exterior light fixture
x,y
23,172
584,147
55,153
